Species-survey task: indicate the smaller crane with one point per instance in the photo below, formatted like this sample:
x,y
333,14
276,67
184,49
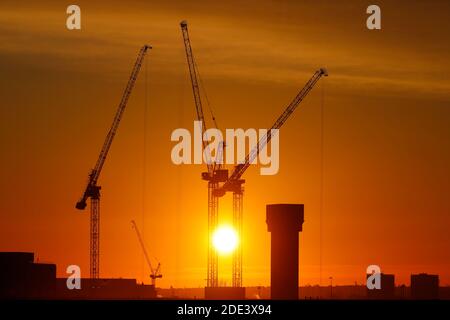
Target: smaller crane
x,y
155,273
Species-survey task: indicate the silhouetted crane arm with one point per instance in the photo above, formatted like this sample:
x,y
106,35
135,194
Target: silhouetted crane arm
x,y
95,173
195,85
133,223
240,169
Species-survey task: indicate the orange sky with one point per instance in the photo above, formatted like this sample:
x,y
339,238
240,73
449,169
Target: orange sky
x,y
386,133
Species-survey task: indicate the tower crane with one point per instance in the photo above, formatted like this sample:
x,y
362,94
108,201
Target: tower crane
x,y
234,182
92,190
154,273
214,173
218,180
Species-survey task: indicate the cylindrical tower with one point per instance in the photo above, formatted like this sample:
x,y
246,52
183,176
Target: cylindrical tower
x,y
284,222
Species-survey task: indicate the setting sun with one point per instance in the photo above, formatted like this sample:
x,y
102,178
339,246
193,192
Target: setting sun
x,y
225,239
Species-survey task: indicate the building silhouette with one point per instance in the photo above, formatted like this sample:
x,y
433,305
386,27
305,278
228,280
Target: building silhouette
x,y
387,290
424,286
22,278
284,222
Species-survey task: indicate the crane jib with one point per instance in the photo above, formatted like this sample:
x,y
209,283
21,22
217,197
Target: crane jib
x,y
195,87
239,170
95,173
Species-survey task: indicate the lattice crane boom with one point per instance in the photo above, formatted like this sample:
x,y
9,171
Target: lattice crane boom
x,y
240,169
95,173
155,273
195,87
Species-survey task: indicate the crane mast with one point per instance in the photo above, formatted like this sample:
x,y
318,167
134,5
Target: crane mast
x,y
92,190
155,273
215,173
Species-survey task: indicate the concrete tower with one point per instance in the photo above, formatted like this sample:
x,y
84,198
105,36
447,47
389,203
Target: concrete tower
x,y
284,222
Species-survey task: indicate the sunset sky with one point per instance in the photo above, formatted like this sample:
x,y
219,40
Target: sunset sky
x,y
386,178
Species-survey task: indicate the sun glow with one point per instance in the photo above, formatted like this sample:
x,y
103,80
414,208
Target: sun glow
x,y
225,239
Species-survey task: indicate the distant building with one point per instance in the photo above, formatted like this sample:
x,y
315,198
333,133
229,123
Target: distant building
x,y
22,278
104,289
387,290
424,286
224,293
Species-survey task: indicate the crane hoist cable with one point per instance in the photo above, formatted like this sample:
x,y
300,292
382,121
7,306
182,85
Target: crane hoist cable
x,y
321,192
208,104
221,144
144,158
